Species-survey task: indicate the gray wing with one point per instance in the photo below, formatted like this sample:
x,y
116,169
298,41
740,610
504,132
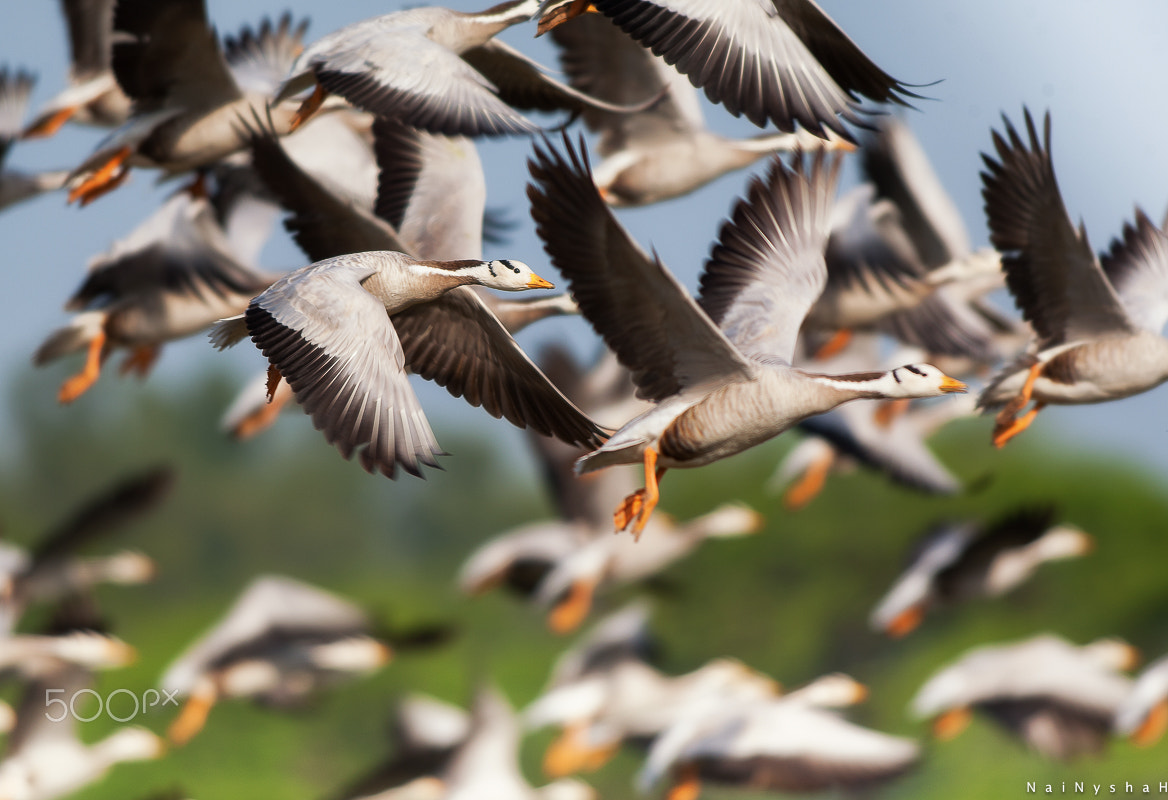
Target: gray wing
x,y
1050,269
768,268
655,328
260,60
1137,267
604,61
166,54
15,88
90,23
334,344
402,74
458,343
896,164
784,61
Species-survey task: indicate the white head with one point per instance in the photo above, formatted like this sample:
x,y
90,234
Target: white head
x,y
508,275
920,380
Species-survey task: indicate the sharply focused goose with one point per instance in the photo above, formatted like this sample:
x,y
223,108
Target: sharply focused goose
x,y
435,69
790,743
666,150
718,369
1058,697
16,186
782,62
188,98
1097,323
45,758
959,561
279,642
172,276
562,563
1143,715
92,96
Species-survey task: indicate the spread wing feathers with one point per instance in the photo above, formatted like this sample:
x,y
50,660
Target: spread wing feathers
x,y
644,315
431,189
604,61
1050,269
768,268
334,344
423,84
869,249
261,59
170,57
323,225
115,507
521,83
15,88
458,343
1137,267
897,166
785,64
943,325
90,23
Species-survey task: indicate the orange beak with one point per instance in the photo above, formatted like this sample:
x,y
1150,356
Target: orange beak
x,y
951,385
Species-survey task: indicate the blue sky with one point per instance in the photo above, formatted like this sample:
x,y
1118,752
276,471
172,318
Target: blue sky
x,y
1099,68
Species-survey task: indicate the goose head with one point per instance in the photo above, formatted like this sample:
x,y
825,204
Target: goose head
x,y
508,275
918,380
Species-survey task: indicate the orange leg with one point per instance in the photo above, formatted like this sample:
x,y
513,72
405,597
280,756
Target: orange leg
x,y
571,611
888,411
77,385
906,622
638,506
273,381
686,786
198,187
1003,435
835,345
141,359
262,418
193,716
562,14
1153,726
308,107
950,724
810,484
106,178
50,124
571,753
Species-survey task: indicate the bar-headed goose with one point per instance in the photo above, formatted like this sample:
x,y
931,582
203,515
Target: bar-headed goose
x,y
717,369
1143,715
92,96
791,743
172,276
281,641
17,186
561,564
666,150
45,758
1097,323
188,99
958,561
1059,698
435,69
772,62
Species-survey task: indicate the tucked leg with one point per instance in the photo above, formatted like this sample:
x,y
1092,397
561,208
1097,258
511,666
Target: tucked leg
x,y
686,786
571,611
77,385
309,106
810,483
106,178
835,345
50,124
1003,435
141,360
194,714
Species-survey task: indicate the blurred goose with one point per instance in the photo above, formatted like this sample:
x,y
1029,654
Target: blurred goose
x,y
54,569
1057,697
772,62
435,69
172,276
15,88
188,102
1143,715
563,563
279,642
46,759
92,96
1097,323
954,562
718,369
785,744
36,655
666,150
